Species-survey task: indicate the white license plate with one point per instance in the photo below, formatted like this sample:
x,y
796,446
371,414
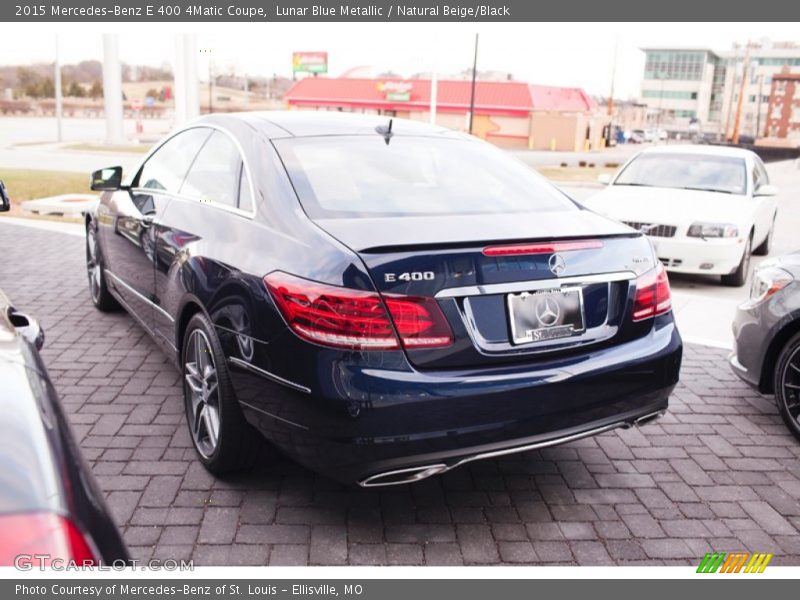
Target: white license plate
x,y
545,315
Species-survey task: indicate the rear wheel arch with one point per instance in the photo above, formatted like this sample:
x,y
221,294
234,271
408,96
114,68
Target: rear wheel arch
x,y
766,383
189,309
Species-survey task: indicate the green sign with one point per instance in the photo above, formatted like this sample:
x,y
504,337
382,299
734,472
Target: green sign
x,y
398,96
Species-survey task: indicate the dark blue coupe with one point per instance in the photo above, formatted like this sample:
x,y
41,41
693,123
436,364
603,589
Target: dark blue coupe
x,y
383,300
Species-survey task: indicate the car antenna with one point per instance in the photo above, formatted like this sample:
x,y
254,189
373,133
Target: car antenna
x,y
385,131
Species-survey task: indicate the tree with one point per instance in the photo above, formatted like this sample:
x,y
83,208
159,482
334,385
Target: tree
x,y
75,90
96,91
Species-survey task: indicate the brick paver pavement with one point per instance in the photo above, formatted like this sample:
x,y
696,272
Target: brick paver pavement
x,y
719,472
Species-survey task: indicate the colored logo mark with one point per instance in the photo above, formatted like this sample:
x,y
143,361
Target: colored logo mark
x,y
734,562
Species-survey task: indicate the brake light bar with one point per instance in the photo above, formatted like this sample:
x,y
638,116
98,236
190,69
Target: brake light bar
x,y
542,248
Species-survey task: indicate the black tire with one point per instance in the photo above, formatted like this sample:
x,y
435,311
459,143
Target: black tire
x,y
237,444
765,246
739,277
98,289
787,384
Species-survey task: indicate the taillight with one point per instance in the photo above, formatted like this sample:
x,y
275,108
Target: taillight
x,y
419,321
652,294
355,319
46,534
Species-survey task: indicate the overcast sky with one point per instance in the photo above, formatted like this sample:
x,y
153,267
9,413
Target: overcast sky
x,y
568,54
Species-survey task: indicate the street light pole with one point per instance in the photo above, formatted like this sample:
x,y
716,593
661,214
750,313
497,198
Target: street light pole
x,y
472,92
57,89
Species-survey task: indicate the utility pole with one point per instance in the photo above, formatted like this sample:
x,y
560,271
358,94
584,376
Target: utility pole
x,y
758,106
729,112
434,86
611,92
246,92
59,100
472,92
738,120
210,87
112,89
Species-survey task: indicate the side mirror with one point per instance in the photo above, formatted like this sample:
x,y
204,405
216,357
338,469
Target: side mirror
x,y
5,202
107,180
27,327
766,190
604,178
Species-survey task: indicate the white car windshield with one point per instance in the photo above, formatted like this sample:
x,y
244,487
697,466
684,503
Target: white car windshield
x,y
686,171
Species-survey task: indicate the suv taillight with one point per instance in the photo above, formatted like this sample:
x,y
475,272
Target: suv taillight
x,y
355,319
46,534
652,294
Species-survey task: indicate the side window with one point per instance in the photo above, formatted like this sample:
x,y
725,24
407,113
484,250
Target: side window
x,y
760,176
167,167
245,198
214,175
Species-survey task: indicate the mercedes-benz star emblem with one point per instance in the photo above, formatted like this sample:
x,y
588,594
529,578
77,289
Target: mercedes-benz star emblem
x,y
547,312
557,264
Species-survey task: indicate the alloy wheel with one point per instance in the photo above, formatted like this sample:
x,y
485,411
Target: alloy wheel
x,y
202,393
790,381
93,265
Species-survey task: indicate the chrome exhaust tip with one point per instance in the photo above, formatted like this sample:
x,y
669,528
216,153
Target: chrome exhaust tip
x,y
644,420
403,476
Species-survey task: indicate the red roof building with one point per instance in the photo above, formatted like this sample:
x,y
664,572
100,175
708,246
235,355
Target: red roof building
x,y
505,111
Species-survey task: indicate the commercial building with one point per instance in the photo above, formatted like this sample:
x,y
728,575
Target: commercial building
x,y
783,115
684,86
507,113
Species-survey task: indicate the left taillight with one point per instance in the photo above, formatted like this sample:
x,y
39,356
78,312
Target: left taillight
x,y
652,296
355,319
47,534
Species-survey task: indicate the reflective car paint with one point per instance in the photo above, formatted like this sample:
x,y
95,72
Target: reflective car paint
x,y
351,414
43,469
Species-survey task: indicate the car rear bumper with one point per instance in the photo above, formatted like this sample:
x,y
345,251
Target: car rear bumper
x,y
698,256
384,420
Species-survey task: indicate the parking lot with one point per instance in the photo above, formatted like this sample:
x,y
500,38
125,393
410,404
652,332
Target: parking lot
x,y
719,472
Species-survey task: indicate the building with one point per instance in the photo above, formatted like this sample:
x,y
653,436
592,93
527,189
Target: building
x,y
783,113
682,86
507,113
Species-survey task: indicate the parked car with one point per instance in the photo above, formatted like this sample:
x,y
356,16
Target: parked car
x,y
50,504
705,208
766,331
637,136
384,300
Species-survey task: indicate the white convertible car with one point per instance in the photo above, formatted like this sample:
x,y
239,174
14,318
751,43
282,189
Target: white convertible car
x,y
706,209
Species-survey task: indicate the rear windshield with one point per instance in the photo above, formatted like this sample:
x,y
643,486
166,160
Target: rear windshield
x,y
362,176
686,171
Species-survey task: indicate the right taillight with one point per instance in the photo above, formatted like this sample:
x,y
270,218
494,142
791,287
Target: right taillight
x,y
51,536
652,296
355,319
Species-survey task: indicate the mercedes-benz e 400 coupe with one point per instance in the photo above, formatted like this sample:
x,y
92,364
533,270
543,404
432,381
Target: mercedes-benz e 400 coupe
x,y
383,300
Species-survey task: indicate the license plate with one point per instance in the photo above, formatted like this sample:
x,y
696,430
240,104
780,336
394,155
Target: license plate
x,y
546,315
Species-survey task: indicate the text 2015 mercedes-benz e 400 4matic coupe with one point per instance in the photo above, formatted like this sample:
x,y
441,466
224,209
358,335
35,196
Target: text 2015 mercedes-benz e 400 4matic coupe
x,y
383,300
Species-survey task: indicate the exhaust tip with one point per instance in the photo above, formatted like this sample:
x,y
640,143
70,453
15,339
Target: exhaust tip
x,y
649,418
403,476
